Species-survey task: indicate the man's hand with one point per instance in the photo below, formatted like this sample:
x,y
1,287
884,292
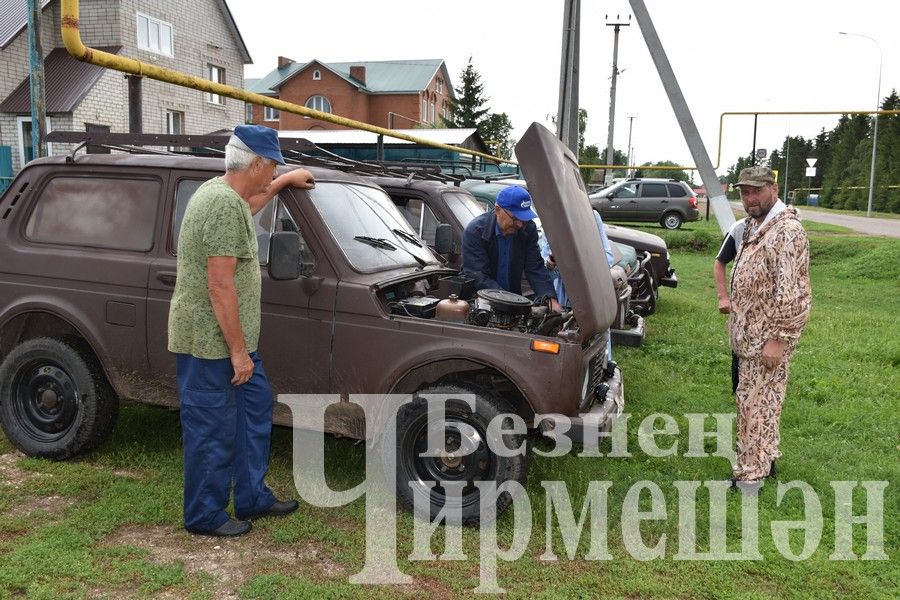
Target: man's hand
x,y
554,306
725,305
551,264
243,368
772,353
300,178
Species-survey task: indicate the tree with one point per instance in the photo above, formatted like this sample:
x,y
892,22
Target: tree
x,y
496,128
679,175
468,109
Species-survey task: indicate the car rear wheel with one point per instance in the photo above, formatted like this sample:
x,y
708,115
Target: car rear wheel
x,y
671,220
54,401
467,456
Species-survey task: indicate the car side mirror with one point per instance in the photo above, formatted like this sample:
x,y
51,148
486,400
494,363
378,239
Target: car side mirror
x,y
611,195
443,239
284,255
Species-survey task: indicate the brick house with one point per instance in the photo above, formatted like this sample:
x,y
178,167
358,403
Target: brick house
x,y
199,38
397,94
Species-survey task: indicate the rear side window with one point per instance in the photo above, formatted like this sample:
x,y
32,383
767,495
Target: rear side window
x,y
676,191
96,211
653,190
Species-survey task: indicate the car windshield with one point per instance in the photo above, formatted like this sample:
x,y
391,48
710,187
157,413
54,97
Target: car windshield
x,y
366,225
464,207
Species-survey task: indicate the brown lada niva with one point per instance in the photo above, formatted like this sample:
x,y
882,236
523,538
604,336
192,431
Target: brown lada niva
x,y
353,303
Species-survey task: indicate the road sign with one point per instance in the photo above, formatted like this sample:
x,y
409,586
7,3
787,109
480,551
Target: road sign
x,y
811,162
761,153
810,171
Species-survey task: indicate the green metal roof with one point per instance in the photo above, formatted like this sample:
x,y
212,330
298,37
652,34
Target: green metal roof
x,y
382,77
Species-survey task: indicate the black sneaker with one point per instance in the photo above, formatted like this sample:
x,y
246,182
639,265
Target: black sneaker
x,y
278,509
231,528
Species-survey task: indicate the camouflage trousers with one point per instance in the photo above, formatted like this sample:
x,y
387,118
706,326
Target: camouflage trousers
x,y
760,396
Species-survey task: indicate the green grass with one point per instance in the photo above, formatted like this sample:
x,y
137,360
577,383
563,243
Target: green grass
x,y
839,423
856,213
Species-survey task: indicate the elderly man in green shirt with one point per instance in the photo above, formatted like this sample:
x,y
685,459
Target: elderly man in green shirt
x,y
214,321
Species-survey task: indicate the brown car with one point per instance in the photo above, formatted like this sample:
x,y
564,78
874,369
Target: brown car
x,y
87,269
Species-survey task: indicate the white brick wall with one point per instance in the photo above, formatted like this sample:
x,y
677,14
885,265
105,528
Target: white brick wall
x,y
201,36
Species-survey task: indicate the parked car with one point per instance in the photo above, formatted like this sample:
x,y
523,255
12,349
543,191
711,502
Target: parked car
x,y
430,205
349,297
655,269
668,202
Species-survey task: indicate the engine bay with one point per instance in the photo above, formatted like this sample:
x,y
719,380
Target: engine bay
x,y
454,299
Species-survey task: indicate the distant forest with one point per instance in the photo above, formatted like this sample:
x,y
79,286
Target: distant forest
x,y
843,161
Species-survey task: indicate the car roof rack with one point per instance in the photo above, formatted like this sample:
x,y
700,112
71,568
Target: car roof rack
x,y
296,151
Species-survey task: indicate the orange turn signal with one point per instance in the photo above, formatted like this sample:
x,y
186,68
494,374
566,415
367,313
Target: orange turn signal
x,y
542,346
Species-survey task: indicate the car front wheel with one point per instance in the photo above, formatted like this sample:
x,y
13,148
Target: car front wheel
x,y
671,220
54,402
467,456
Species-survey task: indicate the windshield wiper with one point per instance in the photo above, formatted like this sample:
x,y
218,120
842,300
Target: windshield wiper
x,y
407,236
375,242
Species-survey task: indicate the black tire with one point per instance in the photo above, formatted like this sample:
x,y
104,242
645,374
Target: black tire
x,y
671,220
54,401
414,472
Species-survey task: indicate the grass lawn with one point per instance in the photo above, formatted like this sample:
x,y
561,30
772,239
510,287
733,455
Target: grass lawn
x,y
108,524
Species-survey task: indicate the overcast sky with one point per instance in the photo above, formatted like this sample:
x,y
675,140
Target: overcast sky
x,y
728,55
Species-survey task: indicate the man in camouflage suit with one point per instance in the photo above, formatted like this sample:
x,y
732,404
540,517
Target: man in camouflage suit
x,y
770,302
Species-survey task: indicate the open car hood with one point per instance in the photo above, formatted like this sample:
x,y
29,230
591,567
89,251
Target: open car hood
x,y
568,220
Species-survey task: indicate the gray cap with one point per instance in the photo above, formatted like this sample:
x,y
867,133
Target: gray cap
x,y
756,176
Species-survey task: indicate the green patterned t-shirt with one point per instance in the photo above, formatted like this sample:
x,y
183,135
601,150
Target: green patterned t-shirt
x,y
217,222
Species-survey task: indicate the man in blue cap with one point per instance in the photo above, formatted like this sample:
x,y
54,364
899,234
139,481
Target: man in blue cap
x,y
214,321
500,245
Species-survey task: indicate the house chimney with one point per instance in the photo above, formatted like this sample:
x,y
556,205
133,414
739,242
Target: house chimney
x,y
284,60
358,73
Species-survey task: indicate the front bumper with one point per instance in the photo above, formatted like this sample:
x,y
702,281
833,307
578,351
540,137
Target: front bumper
x,y
629,337
670,280
587,426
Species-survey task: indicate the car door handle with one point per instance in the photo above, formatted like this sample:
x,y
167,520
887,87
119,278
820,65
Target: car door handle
x,y
632,201
665,201
167,277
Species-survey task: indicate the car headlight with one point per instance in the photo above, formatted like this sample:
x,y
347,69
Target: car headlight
x,y
618,276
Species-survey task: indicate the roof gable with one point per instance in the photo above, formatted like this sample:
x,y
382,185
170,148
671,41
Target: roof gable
x,y
382,77
13,18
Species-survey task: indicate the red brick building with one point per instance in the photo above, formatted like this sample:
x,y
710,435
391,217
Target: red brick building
x,y
397,94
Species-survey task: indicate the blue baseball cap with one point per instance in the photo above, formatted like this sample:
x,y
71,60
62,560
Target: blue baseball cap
x,y
517,201
262,141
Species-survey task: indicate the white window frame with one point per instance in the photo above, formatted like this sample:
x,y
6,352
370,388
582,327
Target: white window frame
x,y
431,111
248,113
170,114
147,45
19,129
319,108
317,75
220,71
271,114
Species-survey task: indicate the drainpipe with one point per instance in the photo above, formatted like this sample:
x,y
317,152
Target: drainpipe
x,y
71,35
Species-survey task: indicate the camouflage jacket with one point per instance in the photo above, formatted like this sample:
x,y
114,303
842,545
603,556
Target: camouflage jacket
x,y
770,290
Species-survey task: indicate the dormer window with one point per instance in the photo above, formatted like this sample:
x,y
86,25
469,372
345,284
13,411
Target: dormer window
x,y
317,75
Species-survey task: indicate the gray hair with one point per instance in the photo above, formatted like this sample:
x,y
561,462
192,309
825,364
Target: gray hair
x,y
238,157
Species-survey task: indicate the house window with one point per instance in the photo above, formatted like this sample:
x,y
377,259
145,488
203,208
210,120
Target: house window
x,y
216,75
317,75
248,113
154,35
431,112
26,150
424,114
272,114
439,85
174,122
319,103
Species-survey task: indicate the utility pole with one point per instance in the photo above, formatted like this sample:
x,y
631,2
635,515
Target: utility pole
x,y
36,79
567,114
631,119
616,24
753,153
787,167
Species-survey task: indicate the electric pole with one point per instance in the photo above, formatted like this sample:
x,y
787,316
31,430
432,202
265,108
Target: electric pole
x,y
567,114
628,159
36,80
616,24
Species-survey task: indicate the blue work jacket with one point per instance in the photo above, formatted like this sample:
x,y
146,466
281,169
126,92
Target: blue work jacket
x,y
480,257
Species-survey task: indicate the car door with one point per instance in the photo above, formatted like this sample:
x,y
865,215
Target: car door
x,y
622,205
294,348
652,199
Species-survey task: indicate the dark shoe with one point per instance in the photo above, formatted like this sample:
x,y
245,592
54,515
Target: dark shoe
x,y
231,528
279,509
773,472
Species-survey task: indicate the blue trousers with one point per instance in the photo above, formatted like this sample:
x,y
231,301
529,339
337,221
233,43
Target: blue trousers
x,y
227,433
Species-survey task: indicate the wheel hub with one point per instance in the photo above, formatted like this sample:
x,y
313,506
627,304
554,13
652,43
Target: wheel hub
x,y
46,400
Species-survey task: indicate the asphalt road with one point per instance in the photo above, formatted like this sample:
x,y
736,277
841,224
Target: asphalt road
x,y
870,226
